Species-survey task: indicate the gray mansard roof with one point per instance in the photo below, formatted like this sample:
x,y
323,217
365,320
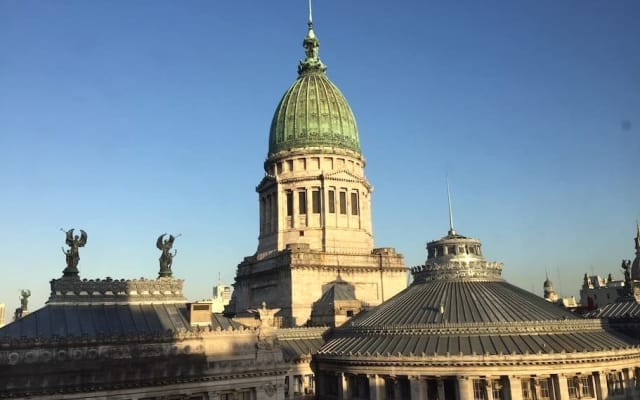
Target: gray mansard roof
x,y
106,320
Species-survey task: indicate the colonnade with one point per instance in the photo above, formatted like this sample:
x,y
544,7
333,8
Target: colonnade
x,y
596,385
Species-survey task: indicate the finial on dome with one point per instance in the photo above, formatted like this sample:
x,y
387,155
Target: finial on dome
x,y
452,232
311,45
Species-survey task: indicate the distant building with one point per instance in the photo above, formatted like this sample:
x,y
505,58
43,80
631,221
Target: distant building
x,y
597,291
551,296
221,297
3,309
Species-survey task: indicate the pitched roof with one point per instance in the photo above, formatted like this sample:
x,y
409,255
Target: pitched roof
x,y
98,320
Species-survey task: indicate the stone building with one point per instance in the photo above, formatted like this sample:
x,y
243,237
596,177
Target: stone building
x,y
596,292
460,332
315,206
136,339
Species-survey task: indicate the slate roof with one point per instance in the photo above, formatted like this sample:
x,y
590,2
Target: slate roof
x,y
459,305
339,291
300,343
463,302
625,309
98,320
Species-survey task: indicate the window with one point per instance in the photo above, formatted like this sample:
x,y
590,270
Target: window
x,y
497,389
289,165
528,389
546,390
614,383
332,201
354,203
279,167
343,202
586,386
479,389
302,201
289,204
315,201
573,384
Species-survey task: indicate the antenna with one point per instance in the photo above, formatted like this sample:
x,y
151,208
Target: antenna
x,y
451,230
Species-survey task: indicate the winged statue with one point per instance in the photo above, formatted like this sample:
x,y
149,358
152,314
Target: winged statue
x,y
73,254
166,258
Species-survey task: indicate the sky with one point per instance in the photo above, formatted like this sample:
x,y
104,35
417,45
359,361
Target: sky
x,y
129,119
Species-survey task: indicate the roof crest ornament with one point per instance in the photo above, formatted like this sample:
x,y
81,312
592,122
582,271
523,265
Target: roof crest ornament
x,y
452,231
311,44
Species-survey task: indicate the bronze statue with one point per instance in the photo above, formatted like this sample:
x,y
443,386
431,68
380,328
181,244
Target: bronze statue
x,y
626,267
24,299
166,259
73,255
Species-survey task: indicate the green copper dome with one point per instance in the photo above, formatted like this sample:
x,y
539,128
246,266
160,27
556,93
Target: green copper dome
x,y
313,112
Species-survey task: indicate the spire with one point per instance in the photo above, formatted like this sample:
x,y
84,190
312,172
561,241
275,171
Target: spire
x,y
311,45
637,238
452,232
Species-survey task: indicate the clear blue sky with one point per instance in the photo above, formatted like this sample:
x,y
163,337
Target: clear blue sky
x,y
133,118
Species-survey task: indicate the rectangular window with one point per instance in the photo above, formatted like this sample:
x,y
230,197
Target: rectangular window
x,y
354,203
479,389
614,383
497,389
546,390
586,386
343,202
574,387
302,202
289,165
315,201
289,204
332,201
527,389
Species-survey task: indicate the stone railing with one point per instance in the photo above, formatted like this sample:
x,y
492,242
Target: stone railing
x,y
73,290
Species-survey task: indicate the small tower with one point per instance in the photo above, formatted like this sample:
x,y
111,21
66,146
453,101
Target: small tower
x,y
550,294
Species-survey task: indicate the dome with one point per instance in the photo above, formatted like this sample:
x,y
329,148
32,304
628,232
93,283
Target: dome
x,y
458,304
313,112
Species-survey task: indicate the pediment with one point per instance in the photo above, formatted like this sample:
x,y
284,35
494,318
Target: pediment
x,y
344,175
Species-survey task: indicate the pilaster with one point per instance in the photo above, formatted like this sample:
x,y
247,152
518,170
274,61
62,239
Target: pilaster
x,y
515,388
465,388
563,387
376,388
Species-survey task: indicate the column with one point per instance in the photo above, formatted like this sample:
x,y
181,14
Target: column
x,y
376,387
602,391
465,388
563,387
418,388
515,388
342,386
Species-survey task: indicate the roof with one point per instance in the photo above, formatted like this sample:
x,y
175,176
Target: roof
x,y
462,302
300,343
339,291
625,309
313,112
98,320
459,305
472,344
